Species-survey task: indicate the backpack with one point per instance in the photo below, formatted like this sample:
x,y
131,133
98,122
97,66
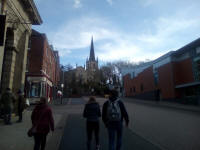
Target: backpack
x,y
113,111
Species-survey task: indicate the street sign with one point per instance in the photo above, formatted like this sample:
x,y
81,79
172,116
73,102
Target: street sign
x,y
2,28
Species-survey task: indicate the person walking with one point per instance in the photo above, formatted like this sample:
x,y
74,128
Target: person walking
x,y
7,102
92,113
42,120
113,114
20,105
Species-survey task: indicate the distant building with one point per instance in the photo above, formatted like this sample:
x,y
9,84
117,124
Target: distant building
x,y
88,74
16,20
43,68
174,76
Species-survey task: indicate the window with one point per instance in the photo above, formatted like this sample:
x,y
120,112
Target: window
x,y
134,89
141,87
47,51
133,75
50,59
35,89
29,43
156,76
197,69
198,50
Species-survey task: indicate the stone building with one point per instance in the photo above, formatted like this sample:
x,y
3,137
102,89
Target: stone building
x,y
91,64
18,16
43,69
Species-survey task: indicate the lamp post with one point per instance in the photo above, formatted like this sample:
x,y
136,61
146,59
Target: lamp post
x,y
62,86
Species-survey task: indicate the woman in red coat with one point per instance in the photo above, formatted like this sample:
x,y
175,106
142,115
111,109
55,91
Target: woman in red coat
x,y
42,119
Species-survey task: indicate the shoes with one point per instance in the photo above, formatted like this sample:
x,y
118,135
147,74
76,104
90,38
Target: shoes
x,y
98,147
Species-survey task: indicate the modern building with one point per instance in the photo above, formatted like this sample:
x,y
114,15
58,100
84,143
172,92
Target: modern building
x,y
16,20
43,68
174,76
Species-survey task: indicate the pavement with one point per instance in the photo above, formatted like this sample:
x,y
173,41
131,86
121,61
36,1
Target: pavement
x,y
14,137
74,137
67,116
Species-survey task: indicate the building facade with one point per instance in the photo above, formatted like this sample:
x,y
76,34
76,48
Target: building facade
x,y
174,76
17,18
43,69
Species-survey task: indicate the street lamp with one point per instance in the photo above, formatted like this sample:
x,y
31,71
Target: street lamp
x,y
62,86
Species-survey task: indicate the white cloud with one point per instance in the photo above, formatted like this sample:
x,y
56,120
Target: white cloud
x,y
113,44
64,52
167,29
77,4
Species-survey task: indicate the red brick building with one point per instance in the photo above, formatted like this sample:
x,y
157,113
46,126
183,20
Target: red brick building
x,y
43,68
174,76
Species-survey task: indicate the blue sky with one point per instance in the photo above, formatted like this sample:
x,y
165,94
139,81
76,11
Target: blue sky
x,y
133,30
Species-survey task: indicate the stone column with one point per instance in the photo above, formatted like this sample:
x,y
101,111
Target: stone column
x,y
24,59
2,48
9,67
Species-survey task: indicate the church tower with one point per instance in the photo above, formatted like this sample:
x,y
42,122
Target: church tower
x,y
92,64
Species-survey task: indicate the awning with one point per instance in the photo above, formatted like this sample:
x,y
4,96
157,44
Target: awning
x,y
187,85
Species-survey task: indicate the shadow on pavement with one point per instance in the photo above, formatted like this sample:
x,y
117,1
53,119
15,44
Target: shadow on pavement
x,y
74,137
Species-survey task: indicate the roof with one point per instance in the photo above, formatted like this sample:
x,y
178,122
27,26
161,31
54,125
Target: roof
x,y
189,46
92,56
33,12
187,85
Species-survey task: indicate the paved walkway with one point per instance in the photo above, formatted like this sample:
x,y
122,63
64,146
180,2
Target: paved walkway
x,y
74,137
14,137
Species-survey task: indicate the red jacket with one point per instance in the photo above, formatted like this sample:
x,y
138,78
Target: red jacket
x,y
42,118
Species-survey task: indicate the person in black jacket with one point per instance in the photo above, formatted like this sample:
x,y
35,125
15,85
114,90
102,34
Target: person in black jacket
x,y
92,113
20,105
113,114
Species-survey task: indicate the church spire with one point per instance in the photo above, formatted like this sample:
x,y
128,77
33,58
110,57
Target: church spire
x,y
92,56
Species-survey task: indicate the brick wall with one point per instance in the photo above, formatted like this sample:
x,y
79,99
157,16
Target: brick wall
x,y
166,81
35,55
183,72
143,83
42,57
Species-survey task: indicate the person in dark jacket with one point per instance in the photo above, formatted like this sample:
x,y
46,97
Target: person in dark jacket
x,y
42,119
7,102
92,113
114,126
20,105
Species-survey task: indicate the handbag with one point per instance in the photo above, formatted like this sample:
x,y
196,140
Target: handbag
x,y
31,131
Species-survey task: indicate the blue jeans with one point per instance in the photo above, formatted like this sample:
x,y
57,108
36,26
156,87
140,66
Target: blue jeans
x,y
113,130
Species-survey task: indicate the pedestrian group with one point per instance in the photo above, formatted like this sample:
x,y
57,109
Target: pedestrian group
x,y
7,102
113,114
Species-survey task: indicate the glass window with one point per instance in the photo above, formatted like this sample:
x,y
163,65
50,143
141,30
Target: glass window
x,y
156,76
197,69
141,87
35,89
198,50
